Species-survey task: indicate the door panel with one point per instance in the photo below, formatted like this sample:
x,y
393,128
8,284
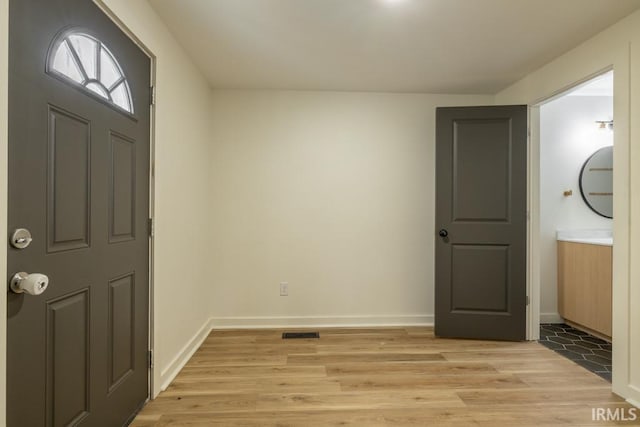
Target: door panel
x,y
79,181
122,314
473,292
69,181
481,171
68,371
122,188
481,155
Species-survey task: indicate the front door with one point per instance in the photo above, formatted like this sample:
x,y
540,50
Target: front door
x,y
79,189
481,193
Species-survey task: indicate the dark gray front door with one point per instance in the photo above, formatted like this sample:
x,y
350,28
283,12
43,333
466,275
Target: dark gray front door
x,y
481,193
79,182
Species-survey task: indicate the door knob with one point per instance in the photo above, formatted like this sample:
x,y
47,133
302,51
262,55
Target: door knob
x,y
32,284
443,233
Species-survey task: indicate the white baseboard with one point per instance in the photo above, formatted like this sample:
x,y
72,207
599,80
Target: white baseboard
x,y
634,402
635,399
551,318
319,321
168,374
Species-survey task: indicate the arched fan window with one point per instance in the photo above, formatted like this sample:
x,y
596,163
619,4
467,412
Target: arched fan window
x,y
85,61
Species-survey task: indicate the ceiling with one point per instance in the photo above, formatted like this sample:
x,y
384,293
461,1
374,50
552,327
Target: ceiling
x,y
433,46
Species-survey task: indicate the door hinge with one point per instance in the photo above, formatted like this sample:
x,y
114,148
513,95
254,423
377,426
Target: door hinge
x,y
150,358
152,95
150,226
527,299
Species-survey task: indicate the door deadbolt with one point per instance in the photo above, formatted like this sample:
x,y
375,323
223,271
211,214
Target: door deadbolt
x,y
21,238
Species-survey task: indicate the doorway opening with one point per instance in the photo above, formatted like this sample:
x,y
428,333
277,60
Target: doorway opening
x,y
574,231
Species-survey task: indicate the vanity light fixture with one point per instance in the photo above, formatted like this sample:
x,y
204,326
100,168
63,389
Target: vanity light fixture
x,y
605,124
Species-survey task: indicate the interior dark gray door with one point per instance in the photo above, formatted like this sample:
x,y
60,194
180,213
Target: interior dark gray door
x,y
481,193
79,182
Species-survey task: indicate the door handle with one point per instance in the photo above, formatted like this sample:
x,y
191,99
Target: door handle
x,y
443,233
32,284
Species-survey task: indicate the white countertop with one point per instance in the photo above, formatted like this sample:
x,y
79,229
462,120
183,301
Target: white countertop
x,y
591,237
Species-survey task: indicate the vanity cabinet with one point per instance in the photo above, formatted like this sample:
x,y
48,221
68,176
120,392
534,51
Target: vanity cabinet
x,y
584,285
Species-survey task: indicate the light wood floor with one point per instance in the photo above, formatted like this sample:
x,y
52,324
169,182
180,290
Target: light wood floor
x,y
377,377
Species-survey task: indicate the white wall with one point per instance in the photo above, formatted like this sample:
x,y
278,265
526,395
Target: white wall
x,y
332,192
618,47
568,136
181,288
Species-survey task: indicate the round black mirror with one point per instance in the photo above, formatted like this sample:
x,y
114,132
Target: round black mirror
x,y
596,182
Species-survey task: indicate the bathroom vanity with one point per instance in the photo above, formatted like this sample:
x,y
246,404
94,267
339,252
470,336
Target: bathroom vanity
x,y
584,279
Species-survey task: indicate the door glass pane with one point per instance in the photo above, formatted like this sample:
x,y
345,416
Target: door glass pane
x,y
120,96
95,87
87,50
64,63
109,72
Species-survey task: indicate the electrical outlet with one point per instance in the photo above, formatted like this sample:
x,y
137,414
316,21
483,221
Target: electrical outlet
x,y
284,289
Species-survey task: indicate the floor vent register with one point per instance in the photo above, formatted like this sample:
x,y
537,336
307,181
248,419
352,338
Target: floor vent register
x,y
299,335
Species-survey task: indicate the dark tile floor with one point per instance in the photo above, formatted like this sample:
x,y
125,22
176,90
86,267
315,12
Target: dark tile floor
x,y
584,349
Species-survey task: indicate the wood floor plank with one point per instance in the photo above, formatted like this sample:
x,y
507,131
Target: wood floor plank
x,y
416,347
563,379
324,359
419,330
363,400
541,397
545,364
279,371
250,349
383,337
219,403
437,382
182,387
535,355
237,360
377,377
146,420
280,419
429,368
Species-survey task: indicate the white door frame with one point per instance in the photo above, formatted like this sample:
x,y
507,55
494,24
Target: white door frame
x,y
533,225
534,285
